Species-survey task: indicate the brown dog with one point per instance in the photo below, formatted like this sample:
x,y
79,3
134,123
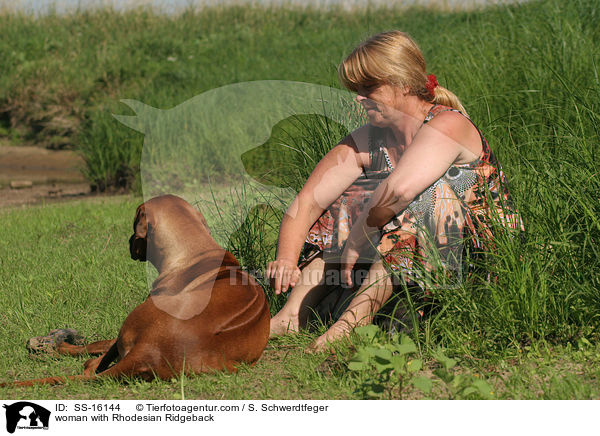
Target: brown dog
x,y
203,314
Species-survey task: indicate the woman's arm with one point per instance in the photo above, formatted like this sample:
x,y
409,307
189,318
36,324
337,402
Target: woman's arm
x,y
446,139
330,178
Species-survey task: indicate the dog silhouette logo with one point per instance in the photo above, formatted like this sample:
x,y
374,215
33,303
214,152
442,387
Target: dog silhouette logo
x,y
26,415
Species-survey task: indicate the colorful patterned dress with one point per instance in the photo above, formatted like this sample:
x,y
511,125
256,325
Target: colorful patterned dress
x,y
425,243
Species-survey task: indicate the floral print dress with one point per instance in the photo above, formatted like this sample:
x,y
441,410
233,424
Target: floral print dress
x,y
455,213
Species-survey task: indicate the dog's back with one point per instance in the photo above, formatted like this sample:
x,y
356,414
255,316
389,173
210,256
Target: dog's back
x,y
230,326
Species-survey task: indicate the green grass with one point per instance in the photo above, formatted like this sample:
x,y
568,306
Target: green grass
x,y
67,265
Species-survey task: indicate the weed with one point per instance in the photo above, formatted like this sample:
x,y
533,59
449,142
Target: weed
x,y
387,365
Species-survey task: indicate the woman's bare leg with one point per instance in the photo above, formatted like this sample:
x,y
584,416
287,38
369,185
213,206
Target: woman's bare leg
x,y
370,297
307,293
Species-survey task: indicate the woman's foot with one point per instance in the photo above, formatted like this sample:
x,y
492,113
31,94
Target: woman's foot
x,y
337,331
280,325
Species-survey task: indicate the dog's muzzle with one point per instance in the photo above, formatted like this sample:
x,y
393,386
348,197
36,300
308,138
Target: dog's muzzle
x,y
137,248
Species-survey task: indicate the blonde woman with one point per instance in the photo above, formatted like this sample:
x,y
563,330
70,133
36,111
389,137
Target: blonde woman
x,y
414,181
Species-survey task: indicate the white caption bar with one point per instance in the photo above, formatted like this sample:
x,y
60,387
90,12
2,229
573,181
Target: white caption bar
x,y
291,417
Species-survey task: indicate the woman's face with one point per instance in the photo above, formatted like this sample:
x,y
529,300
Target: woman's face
x,y
381,103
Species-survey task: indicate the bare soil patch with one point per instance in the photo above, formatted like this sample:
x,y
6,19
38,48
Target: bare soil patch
x,y
30,175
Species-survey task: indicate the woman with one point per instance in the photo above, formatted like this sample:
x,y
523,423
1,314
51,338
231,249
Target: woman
x,y
414,182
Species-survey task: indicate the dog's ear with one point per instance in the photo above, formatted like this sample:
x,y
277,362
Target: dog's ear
x,y
140,224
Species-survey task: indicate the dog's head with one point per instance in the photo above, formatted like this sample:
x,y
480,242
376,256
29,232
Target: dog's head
x,y
167,227
138,243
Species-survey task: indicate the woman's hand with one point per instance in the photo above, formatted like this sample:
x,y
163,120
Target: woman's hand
x,y
283,274
348,260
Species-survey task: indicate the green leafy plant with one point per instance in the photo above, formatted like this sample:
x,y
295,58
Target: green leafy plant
x,y
388,365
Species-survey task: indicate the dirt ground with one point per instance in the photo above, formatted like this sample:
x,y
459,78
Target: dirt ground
x,y
32,175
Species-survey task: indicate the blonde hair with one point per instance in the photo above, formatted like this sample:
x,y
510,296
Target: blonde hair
x,y
393,58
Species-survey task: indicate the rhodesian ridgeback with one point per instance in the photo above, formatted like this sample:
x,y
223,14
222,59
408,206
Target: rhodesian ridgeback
x,y
204,313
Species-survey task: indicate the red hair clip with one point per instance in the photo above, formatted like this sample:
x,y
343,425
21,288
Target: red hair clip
x,y
432,83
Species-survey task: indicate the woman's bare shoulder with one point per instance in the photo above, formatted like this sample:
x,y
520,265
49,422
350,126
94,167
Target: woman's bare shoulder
x,y
458,128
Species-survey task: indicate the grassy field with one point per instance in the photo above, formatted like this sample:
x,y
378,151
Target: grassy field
x,y
528,77
84,279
